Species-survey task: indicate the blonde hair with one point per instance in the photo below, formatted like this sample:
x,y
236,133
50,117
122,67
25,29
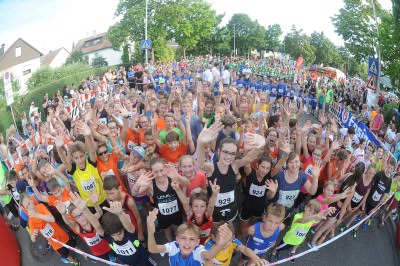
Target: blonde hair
x,y
188,227
277,210
315,205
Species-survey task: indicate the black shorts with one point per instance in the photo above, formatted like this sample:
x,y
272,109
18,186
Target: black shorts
x,y
64,252
369,206
164,222
247,213
225,214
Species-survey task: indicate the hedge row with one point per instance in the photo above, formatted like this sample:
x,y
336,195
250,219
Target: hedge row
x,y
22,103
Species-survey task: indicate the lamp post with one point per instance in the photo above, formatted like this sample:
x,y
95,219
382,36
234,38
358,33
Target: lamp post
x,y
145,32
234,39
377,44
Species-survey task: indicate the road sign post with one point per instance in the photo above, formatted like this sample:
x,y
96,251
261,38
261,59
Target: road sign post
x,y
9,94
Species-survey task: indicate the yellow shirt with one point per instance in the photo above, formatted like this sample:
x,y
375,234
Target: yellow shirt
x,y
88,181
263,108
224,256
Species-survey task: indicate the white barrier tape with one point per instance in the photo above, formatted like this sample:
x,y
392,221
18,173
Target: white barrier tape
x,y
329,241
87,254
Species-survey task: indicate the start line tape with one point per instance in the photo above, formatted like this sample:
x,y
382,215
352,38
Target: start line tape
x,y
330,240
87,254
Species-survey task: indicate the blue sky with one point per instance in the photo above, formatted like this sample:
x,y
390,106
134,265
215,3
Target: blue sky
x,y
51,24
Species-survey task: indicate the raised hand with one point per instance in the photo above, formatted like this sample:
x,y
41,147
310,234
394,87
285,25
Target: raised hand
x,y
214,187
254,141
79,203
175,184
316,169
271,185
94,197
151,218
209,134
60,206
225,235
59,141
170,170
115,207
145,179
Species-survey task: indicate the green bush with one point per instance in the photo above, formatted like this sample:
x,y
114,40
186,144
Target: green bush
x,y
388,111
22,103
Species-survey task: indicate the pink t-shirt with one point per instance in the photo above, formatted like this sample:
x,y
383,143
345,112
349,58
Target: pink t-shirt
x,y
324,206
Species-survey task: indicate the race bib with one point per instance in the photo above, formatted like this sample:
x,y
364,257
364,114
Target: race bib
x,y
257,191
357,198
48,231
205,233
89,185
287,198
301,232
376,196
92,241
224,199
131,145
261,251
125,250
168,208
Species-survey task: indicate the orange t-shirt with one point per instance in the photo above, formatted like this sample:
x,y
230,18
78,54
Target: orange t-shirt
x,y
199,180
170,155
64,198
160,124
110,168
18,166
131,140
48,230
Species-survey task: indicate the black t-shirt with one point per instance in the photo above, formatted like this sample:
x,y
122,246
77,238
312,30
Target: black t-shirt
x,y
381,186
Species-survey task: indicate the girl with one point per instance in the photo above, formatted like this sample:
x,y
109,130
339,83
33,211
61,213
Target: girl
x,y
197,179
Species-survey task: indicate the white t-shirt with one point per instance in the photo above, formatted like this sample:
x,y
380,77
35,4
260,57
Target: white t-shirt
x,y
226,75
247,72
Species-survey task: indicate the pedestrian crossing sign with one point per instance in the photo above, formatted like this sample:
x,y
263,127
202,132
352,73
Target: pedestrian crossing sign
x,y
145,44
371,83
373,67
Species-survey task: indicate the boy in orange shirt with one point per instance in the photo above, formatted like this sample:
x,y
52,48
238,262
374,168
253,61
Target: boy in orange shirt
x,y
41,220
114,193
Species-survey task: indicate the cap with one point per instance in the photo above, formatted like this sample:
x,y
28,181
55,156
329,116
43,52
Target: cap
x,y
139,151
161,80
21,186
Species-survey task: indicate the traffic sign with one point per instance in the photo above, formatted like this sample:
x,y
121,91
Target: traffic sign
x,y
8,88
145,44
373,67
372,83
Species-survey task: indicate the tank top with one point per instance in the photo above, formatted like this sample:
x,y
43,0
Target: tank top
x,y
258,243
128,211
255,192
225,205
360,192
97,245
205,227
167,202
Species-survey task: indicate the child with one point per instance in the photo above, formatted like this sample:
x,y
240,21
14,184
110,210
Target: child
x,y
114,193
10,195
120,233
262,235
186,249
198,180
301,224
225,255
41,220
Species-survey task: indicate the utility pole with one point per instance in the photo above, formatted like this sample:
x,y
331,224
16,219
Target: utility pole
x,y
145,33
377,44
234,39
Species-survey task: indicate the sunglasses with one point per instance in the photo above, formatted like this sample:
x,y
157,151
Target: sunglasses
x,y
102,153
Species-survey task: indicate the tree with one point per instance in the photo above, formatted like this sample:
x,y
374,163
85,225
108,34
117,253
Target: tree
x,y
248,34
76,57
125,55
298,44
326,52
272,35
186,21
99,62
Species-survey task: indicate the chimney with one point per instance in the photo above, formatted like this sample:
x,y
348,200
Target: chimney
x,y
2,49
94,33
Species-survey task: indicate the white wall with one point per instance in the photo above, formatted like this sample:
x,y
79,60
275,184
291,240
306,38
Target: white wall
x,y
60,59
17,72
112,57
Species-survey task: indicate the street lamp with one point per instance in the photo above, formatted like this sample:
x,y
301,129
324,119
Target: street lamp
x,y
145,32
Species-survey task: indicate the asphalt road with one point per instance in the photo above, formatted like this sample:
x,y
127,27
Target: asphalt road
x,y
374,247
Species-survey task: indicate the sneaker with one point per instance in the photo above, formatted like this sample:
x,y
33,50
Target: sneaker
x,y
369,222
291,255
365,227
354,233
343,228
77,263
313,231
357,219
312,245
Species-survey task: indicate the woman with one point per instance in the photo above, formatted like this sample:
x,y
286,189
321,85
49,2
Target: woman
x,y
226,169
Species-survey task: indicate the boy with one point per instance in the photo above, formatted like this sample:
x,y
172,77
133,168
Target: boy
x,y
224,256
120,233
302,223
10,195
186,249
262,235
114,193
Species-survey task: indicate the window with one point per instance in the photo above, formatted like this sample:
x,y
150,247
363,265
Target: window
x,y
18,51
26,72
93,42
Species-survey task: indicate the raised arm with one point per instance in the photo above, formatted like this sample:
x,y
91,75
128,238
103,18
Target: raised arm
x,y
206,136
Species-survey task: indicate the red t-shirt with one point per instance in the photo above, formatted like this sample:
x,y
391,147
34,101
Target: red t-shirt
x,y
170,155
199,180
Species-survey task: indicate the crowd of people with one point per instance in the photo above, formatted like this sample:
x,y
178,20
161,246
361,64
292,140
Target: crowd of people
x,y
212,153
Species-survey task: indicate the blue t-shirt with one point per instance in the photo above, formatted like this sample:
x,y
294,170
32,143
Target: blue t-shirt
x,y
288,192
176,259
258,243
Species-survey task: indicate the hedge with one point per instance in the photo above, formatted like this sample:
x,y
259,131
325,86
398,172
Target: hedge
x,y
22,103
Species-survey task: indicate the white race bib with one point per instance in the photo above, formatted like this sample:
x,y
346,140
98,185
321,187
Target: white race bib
x,y
287,198
48,231
126,249
357,198
301,232
257,191
92,241
168,208
89,185
377,196
224,199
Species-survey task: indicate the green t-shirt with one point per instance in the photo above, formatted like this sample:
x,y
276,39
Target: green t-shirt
x,y
298,231
3,186
393,189
163,134
329,97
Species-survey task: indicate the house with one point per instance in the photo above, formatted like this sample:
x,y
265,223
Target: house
x,y
96,46
21,59
55,58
